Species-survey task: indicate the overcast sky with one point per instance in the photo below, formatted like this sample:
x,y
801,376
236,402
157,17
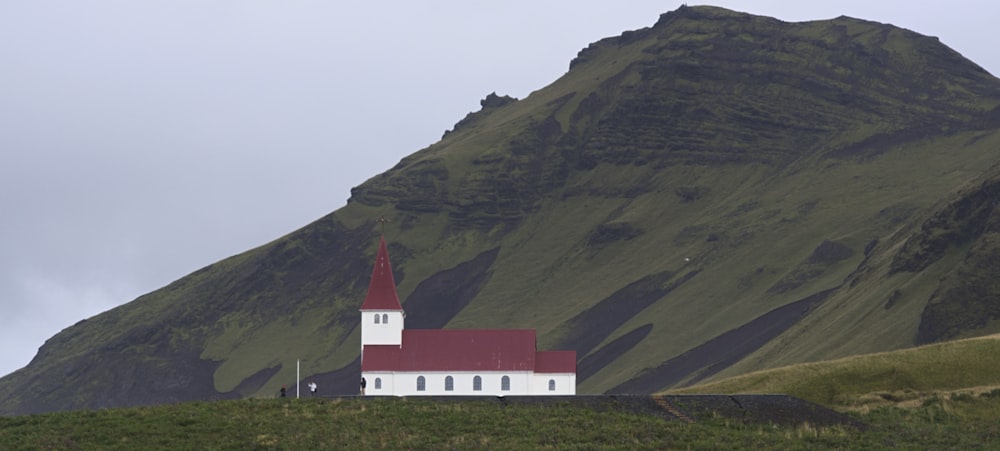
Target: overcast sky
x,y
142,140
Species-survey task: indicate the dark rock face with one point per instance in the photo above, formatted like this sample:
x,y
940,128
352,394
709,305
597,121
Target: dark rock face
x,y
826,254
608,233
965,219
968,298
488,104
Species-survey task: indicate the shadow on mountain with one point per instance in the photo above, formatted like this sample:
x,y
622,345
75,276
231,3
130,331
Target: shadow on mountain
x,y
438,298
601,358
722,351
592,326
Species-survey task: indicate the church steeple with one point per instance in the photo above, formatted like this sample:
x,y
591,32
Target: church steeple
x,y
382,316
382,288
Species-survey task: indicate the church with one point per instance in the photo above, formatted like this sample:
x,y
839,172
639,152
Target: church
x,y
396,361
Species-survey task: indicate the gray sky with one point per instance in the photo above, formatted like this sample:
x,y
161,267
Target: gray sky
x,y
142,140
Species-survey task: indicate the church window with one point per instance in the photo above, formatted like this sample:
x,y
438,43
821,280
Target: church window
x,y
477,383
376,318
552,385
385,318
378,383
505,383
421,383
449,384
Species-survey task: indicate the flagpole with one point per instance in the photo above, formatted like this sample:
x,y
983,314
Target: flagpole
x,y
298,381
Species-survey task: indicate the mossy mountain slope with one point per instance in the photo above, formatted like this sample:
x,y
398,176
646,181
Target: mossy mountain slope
x,y
782,192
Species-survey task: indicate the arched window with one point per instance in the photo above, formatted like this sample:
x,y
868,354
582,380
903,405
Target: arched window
x,y
376,318
378,383
505,383
477,383
449,384
421,383
552,385
385,318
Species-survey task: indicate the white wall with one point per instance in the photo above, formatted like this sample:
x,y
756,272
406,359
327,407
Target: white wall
x,y
565,383
521,383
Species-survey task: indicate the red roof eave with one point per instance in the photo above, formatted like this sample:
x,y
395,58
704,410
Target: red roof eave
x,y
555,362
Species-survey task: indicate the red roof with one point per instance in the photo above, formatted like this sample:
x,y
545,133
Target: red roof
x,y
555,362
456,350
380,357
382,288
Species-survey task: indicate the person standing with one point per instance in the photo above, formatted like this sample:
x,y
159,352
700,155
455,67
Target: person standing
x,y
312,388
364,384
282,391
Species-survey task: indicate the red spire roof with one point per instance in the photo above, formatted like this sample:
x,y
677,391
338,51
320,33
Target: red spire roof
x,y
382,289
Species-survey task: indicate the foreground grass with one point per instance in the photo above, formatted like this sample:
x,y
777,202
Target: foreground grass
x,y
967,421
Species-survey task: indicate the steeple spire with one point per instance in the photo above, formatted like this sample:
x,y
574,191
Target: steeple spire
x,y
382,288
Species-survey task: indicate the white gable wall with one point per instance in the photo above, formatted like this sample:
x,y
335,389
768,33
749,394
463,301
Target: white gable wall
x,y
381,333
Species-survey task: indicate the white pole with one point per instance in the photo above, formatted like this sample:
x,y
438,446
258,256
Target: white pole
x,y
298,382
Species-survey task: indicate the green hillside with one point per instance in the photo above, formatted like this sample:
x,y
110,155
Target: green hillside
x,y
716,194
961,366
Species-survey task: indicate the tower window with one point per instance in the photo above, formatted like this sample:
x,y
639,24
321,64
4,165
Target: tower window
x,y
421,383
376,318
449,384
505,383
385,318
477,383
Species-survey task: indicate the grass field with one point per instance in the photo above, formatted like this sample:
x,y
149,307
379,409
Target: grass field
x,y
955,422
932,397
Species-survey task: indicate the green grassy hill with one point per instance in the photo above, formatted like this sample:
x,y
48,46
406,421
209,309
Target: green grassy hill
x,y
716,194
966,366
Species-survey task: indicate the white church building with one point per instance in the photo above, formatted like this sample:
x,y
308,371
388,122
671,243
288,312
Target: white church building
x,y
396,361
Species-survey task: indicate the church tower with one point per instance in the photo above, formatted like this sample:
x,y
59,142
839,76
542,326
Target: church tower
x,y
381,314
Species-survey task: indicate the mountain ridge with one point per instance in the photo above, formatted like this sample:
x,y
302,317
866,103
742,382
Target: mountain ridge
x,y
676,183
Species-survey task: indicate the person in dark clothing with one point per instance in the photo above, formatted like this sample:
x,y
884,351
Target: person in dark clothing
x,y
364,384
282,391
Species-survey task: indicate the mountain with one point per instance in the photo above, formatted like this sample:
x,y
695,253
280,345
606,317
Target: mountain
x,y
716,194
